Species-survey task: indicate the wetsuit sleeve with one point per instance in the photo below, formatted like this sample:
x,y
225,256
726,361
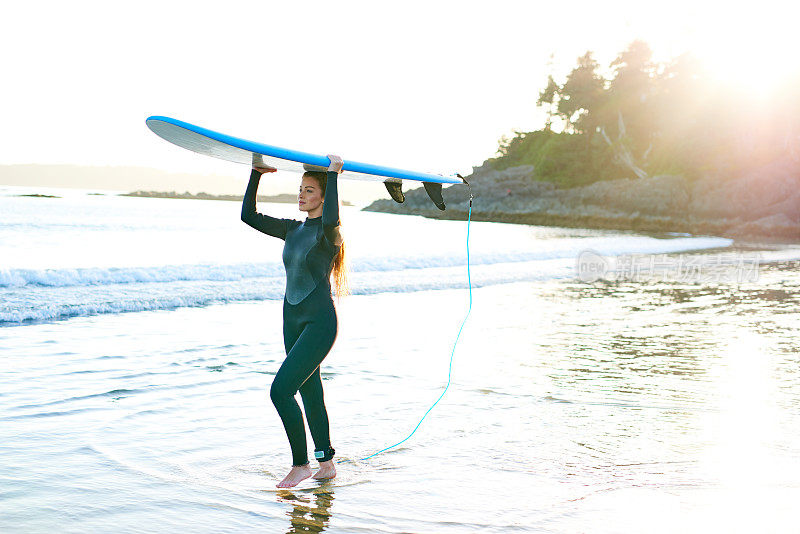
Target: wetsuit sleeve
x,y
263,223
330,210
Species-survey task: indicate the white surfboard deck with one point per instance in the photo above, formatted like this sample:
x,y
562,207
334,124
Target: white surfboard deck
x,y
222,146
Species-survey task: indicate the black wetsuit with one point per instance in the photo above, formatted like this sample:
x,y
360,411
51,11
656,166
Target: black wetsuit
x,y
309,317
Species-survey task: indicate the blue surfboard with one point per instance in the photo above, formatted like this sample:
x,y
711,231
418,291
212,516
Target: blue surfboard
x,y
227,147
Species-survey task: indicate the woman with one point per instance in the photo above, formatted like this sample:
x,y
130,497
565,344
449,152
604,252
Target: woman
x,y
313,249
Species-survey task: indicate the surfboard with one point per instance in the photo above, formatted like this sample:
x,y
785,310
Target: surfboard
x,y
235,149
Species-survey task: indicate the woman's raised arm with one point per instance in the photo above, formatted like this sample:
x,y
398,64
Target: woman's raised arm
x,y
263,223
330,209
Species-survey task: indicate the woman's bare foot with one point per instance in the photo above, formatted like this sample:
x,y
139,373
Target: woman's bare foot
x,y
326,470
295,476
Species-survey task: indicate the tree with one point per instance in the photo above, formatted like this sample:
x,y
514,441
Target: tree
x,y
681,112
581,96
629,94
549,97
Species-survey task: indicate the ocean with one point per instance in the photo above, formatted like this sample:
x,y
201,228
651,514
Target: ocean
x,y
603,381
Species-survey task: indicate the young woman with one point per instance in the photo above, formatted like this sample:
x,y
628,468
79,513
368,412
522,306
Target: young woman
x,y
313,250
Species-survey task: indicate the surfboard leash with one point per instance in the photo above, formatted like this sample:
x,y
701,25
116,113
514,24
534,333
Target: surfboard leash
x,y
452,352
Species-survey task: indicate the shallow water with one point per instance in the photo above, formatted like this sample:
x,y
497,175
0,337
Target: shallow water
x,y
611,406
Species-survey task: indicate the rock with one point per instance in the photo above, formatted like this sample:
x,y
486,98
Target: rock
x,y
658,195
754,195
777,225
764,202
789,207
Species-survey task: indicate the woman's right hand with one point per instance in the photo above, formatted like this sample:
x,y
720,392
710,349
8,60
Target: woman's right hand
x,y
262,168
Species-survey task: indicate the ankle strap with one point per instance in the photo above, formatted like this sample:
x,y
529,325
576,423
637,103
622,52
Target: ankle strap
x,y
324,455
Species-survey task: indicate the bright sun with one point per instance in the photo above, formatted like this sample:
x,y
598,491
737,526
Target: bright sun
x,y
754,50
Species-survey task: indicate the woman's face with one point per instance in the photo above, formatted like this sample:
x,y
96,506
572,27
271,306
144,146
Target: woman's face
x,y
310,196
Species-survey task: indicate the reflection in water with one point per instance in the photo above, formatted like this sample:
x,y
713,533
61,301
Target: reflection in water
x,y
309,513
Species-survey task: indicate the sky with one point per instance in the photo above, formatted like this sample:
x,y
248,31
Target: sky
x,y
428,86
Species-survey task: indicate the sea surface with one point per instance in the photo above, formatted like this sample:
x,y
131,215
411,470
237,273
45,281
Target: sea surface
x,y
603,381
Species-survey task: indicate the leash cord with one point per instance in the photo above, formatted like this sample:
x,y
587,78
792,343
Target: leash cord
x,y
452,352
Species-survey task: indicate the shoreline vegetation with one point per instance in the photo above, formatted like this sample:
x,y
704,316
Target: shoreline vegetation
x,y
645,147
114,178
285,198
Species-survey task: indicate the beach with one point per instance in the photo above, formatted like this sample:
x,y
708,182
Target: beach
x,y
140,337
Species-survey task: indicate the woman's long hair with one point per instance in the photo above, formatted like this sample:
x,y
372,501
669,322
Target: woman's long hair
x,y
339,271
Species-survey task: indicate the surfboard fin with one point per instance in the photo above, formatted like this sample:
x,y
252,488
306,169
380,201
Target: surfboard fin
x,y
395,190
434,191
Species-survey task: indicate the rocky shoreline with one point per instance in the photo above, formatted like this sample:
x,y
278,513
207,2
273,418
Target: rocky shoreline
x,y
761,205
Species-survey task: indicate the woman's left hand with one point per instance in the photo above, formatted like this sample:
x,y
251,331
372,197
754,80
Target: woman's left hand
x,y
336,163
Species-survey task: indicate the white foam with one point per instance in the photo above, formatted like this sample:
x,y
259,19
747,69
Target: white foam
x,y
558,249
60,294
83,255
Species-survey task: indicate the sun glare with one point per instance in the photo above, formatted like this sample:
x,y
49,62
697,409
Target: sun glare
x,y
752,51
743,428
